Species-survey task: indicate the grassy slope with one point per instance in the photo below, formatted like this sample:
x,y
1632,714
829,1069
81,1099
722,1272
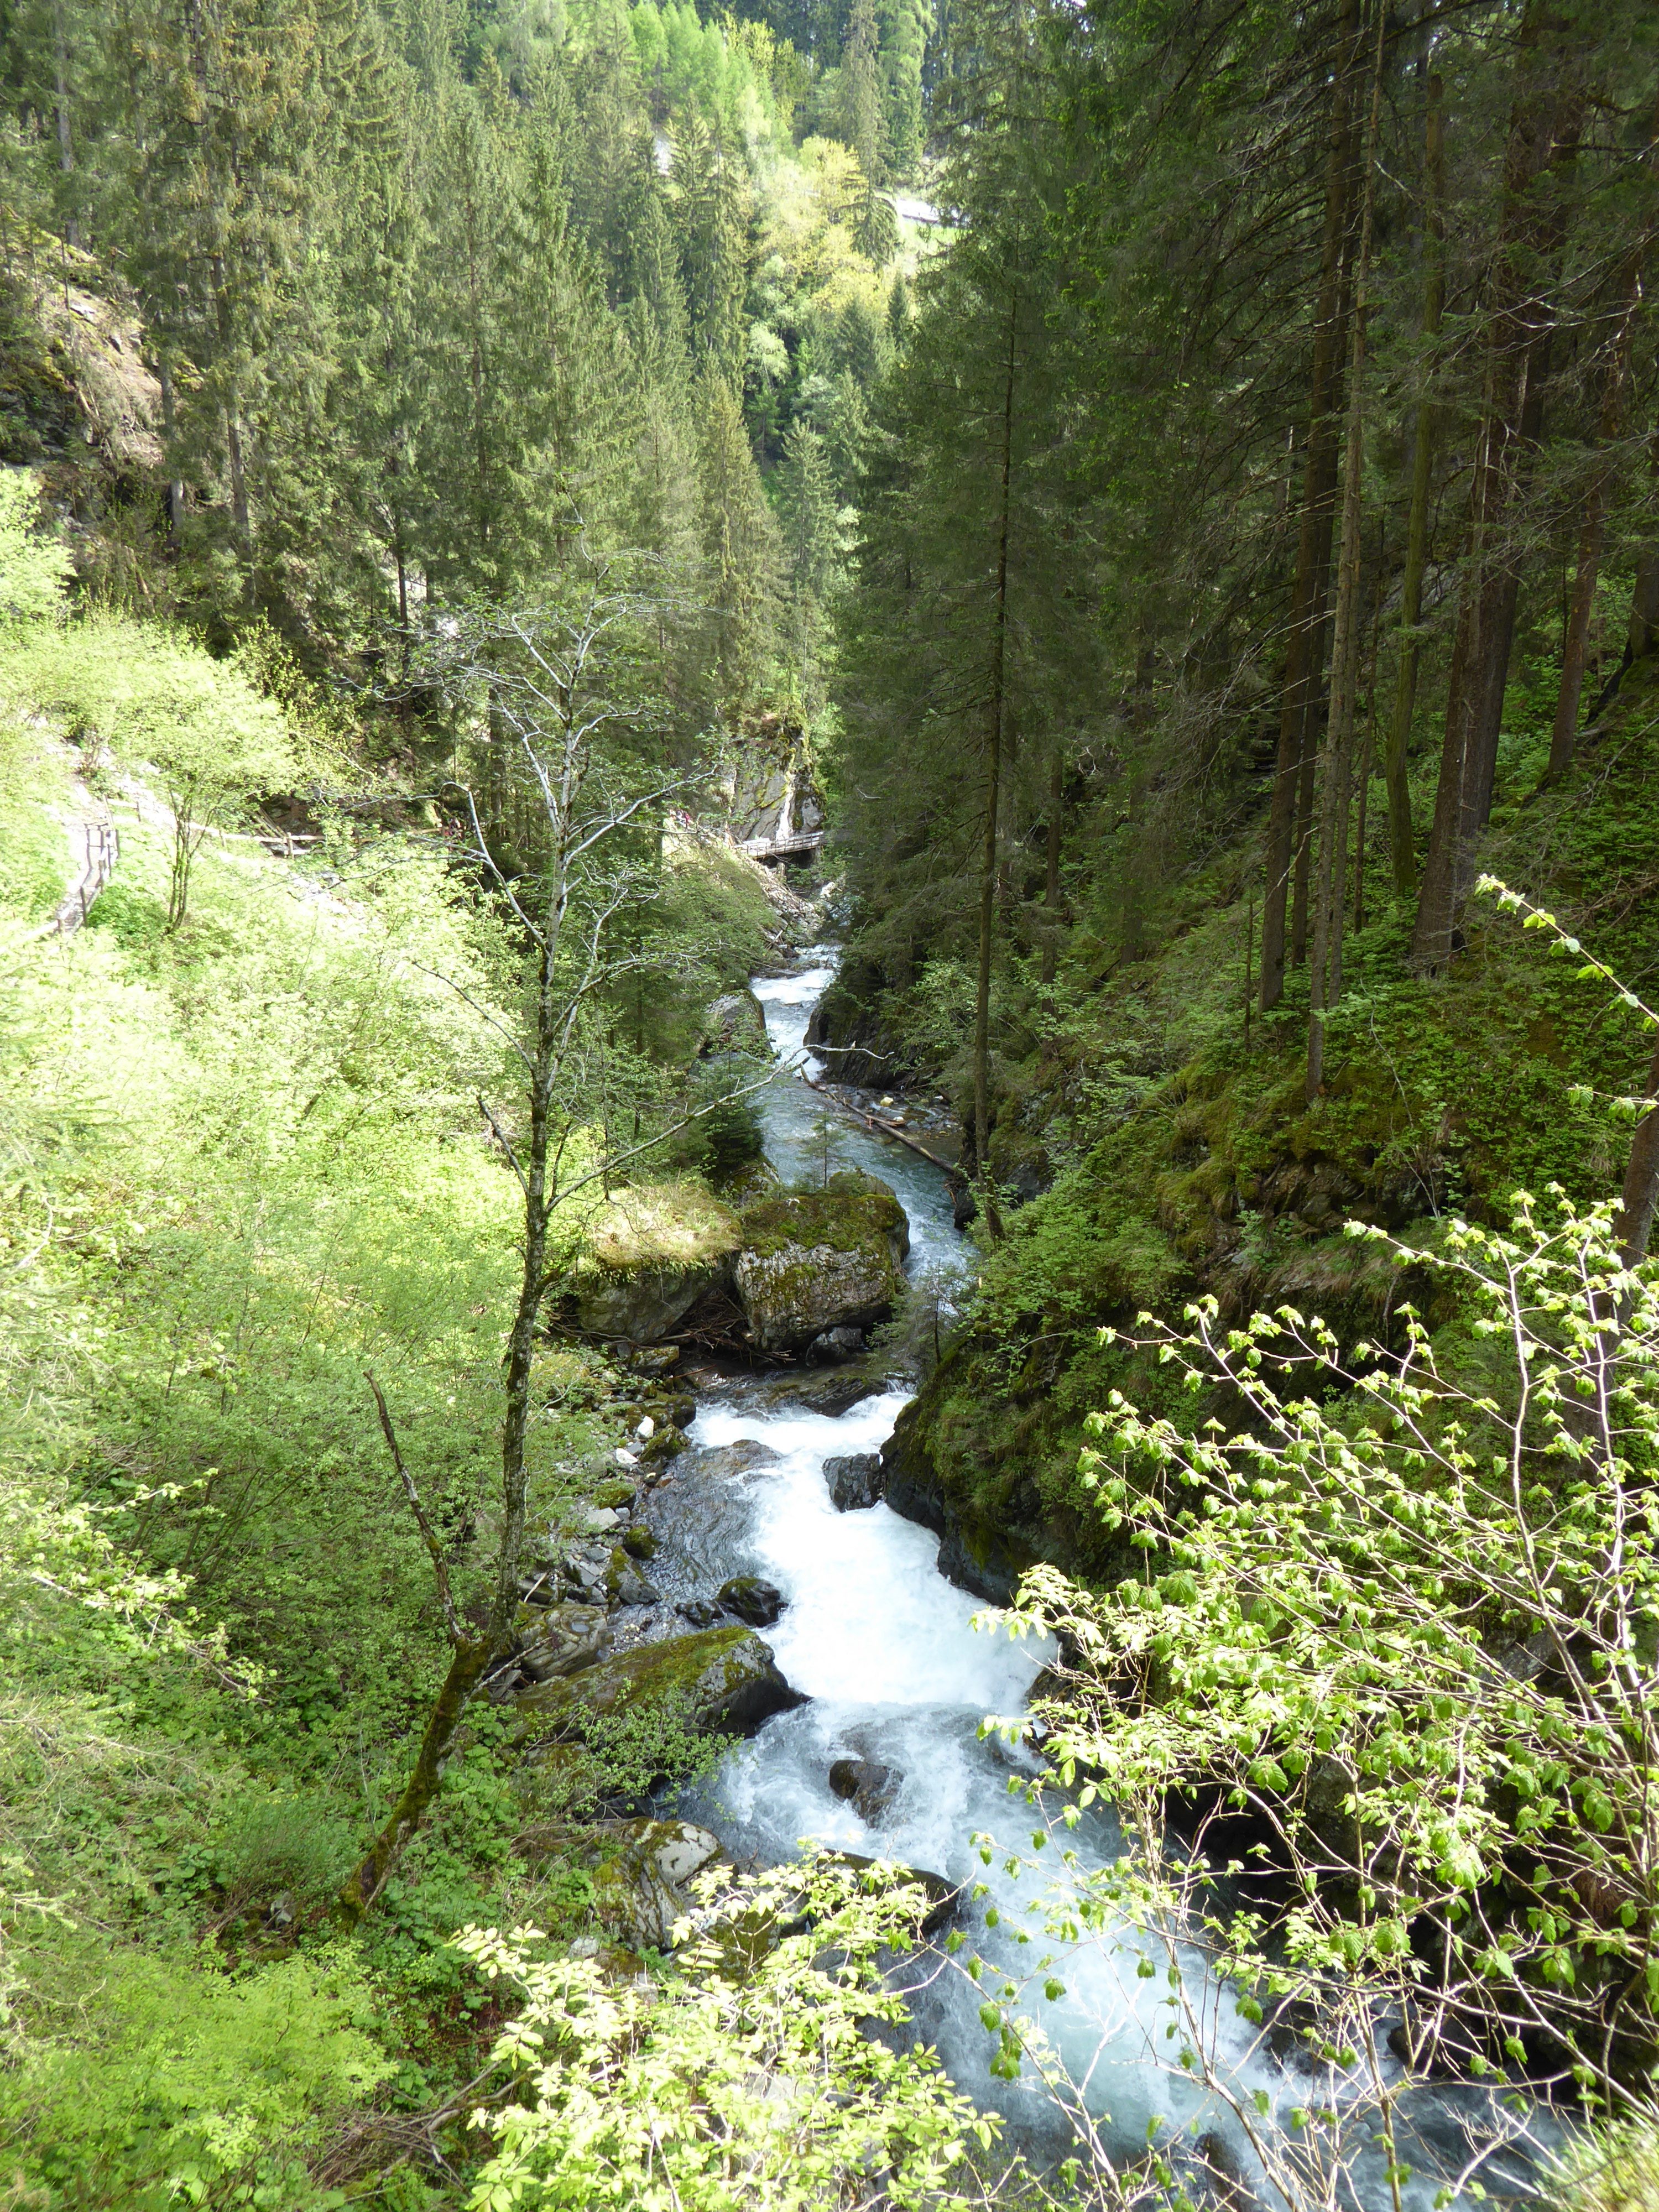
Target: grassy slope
x,y
1182,1160
241,1164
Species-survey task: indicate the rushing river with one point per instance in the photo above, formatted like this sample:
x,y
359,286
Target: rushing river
x,y
898,1675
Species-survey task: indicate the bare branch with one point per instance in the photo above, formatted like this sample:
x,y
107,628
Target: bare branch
x,y
453,1620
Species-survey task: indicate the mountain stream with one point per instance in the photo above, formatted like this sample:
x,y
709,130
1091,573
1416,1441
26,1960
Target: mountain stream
x,y
898,1675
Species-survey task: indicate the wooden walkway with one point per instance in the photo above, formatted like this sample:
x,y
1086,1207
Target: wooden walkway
x,y
94,842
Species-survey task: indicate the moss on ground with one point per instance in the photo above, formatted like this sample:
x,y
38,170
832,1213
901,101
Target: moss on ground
x,y
668,1224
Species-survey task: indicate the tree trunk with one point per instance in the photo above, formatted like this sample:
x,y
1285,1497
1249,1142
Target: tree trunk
x,y
1417,534
60,87
1325,982
1564,737
1051,867
369,1878
175,484
1634,1223
993,729
1544,125
1290,803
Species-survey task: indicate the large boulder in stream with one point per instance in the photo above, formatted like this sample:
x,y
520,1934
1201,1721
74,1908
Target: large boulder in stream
x,y
725,1678
813,1261
650,1253
736,1022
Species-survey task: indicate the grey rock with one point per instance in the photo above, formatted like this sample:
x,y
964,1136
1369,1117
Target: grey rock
x,y
836,1344
865,1785
757,1602
817,1260
719,1462
735,1023
567,1639
638,1892
646,1303
855,1481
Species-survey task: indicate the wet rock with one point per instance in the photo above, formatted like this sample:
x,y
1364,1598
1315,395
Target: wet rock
x,y
639,1542
565,1639
964,1206
836,1344
757,1602
726,1676
625,1585
865,1785
638,1892
855,1481
833,1391
1223,2170
944,1897
816,1261
700,1612
976,1557
719,1462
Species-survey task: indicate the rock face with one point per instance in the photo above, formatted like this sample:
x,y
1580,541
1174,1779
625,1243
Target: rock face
x,y
865,1785
972,1554
639,1892
816,1261
855,1481
726,1676
735,1023
757,1602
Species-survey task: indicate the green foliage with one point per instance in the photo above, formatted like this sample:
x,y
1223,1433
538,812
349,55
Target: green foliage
x,y
197,2080
738,2081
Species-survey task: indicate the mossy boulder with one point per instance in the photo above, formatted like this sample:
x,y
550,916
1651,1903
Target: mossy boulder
x,y
639,1892
979,1551
735,1022
812,1261
726,1677
650,1253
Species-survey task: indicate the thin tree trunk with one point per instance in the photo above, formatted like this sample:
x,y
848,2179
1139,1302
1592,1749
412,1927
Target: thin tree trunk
x,y
1634,1223
1417,534
369,1878
175,484
1544,126
1330,908
1313,540
60,86
1564,737
1051,867
994,796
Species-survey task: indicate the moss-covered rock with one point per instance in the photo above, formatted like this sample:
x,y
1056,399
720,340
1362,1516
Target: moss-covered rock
x,y
735,1022
726,1677
650,1253
812,1261
639,1892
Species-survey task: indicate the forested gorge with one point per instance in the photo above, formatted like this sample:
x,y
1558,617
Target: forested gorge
x,y
1100,565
